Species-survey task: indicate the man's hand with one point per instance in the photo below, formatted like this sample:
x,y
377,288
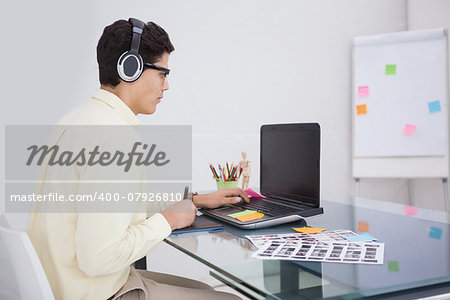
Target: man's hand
x,y
221,197
180,214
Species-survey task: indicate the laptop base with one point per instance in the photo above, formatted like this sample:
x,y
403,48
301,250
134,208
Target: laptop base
x,y
266,221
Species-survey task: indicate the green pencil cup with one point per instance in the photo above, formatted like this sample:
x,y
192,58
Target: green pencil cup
x,y
227,184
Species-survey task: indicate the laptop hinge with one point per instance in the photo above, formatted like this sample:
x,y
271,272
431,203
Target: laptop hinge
x,y
289,201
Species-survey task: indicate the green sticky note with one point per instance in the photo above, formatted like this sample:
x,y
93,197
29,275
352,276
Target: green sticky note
x,y
242,213
393,266
391,69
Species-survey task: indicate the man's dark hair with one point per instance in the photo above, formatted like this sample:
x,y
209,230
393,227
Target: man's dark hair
x,y
116,39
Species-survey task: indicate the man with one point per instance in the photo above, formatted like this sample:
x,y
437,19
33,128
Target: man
x,y
88,255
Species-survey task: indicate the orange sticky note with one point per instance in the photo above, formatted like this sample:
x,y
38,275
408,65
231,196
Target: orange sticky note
x,y
308,229
250,217
363,227
361,109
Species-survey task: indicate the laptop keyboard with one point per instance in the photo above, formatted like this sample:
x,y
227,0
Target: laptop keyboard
x,y
267,208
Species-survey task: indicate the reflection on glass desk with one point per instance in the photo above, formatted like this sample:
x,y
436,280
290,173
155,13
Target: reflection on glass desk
x,y
416,257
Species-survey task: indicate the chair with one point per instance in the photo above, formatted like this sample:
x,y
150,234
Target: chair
x,y
27,272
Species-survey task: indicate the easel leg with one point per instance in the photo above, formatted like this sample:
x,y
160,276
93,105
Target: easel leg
x,y
356,190
410,191
445,186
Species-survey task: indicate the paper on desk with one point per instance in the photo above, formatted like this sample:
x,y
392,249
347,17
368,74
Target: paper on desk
x,y
250,217
360,238
242,213
252,193
324,236
327,246
309,229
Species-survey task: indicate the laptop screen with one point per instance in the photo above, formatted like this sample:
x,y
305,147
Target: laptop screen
x,y
290,162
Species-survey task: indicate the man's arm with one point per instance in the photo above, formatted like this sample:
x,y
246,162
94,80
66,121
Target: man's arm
x,y
108,242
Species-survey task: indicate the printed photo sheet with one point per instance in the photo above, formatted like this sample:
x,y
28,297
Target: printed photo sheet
x,y
327,246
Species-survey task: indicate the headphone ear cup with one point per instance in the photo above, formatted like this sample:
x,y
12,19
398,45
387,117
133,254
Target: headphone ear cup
x,y
129,66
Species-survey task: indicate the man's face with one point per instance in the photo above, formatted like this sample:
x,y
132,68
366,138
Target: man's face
x,y
149,88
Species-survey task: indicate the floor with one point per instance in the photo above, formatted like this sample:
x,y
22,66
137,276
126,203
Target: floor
x,y
181,264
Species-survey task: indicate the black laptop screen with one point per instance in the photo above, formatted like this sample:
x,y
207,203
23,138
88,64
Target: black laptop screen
x,y
290,161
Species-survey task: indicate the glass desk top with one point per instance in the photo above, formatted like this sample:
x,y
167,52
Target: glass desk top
x,y
423,258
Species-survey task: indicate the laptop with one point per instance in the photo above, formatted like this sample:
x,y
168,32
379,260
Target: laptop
x,y
289,178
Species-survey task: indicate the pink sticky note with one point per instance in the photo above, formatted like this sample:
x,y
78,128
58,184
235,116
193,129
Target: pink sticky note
x,y
410,210
363,91
252,193
409,129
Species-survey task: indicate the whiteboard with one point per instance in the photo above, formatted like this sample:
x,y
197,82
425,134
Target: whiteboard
x,y
400,105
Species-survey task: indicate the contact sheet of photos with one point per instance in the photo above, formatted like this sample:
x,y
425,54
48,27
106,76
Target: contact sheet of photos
x,y
327,246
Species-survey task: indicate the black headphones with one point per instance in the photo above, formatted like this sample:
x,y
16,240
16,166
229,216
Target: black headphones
x,y
130,63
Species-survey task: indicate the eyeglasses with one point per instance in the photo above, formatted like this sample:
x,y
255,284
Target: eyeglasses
x,y
155,67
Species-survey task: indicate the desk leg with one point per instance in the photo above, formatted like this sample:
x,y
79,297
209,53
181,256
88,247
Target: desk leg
x,y
294,281
289,280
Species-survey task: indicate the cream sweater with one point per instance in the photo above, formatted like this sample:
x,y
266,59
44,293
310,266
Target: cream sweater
x,y
88,255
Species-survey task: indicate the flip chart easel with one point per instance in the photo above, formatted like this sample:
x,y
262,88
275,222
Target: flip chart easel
x,y
400,106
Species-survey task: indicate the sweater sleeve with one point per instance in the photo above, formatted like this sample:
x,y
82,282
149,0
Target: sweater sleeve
x,y
109,242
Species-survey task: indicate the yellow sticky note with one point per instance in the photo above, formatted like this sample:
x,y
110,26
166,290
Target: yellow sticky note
x,y
363,227
361,109
250,217
308,229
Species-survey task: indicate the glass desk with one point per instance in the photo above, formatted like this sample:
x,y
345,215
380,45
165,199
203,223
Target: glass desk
x,y
423,258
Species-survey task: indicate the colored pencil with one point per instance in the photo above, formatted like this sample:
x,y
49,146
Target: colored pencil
x,y
227,173
214,172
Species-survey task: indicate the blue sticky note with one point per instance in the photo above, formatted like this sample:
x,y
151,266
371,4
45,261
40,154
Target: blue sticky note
x,y
360,238
435,233
434,106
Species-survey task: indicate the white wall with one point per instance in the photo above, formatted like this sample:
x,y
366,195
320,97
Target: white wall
x,y
237,65
423,14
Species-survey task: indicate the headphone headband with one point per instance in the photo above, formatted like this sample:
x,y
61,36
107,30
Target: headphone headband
x,y
138,28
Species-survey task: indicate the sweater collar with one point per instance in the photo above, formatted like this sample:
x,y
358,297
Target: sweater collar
x,y
117,104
